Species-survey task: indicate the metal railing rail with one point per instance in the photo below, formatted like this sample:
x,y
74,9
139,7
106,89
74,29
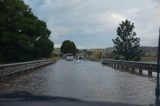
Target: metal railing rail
x,y
150,67
8,69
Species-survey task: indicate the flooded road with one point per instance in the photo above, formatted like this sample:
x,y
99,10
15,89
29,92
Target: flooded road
x,y
87,80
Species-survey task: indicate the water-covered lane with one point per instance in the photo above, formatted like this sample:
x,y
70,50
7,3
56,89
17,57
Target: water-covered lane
x,y
88,81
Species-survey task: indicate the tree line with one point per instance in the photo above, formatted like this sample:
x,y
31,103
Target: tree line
x,y
126,44
23,36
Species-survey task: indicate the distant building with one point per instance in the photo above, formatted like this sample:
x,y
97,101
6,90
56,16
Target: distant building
x,y
56,51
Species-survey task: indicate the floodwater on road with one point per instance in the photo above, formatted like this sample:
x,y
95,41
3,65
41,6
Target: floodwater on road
x,y
87,80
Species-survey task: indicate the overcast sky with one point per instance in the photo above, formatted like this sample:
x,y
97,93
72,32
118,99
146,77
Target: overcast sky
x,y
93,23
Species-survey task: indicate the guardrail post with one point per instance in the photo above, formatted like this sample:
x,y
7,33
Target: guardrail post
x,y
122,67
140,71
150,73
114,65
117,66
133,70
127,68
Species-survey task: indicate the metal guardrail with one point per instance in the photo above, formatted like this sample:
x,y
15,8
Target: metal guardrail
x,y
150,67
9,69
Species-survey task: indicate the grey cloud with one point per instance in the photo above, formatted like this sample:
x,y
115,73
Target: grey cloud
x,y
90,22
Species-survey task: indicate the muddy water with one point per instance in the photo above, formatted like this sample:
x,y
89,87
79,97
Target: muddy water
x,y
87,81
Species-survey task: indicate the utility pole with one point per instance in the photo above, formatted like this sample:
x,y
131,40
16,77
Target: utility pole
x,y
158,72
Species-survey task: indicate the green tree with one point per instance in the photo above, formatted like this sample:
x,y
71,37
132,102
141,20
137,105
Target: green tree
x,y
68,47
20,33
126,43
43,48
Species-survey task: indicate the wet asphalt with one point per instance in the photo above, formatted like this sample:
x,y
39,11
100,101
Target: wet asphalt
x,y
87,80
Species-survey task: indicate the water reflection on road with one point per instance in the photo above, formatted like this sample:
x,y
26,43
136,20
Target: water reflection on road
x,y
88,81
